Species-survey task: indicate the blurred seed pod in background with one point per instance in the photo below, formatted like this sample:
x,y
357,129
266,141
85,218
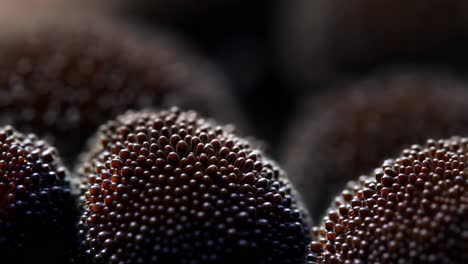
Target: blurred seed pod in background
x,y
37,210
412,209
62,75
174,187
347,132
328,39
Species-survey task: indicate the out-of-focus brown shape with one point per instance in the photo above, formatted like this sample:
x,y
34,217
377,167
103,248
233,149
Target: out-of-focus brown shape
x,y
324,39
62,75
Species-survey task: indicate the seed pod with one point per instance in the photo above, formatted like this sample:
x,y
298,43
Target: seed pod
x,y
36,207
173,187
411,210
348,132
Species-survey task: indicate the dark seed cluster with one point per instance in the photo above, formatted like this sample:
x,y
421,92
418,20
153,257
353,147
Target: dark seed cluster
x,y
172,187
63,81
349,132
36,208
412,210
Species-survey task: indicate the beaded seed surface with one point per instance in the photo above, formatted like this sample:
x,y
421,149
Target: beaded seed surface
x,y
36,207
412,210
172,187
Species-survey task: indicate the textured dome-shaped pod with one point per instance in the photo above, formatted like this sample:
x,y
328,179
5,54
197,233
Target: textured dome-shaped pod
x,y
37,210
173,187
411,210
